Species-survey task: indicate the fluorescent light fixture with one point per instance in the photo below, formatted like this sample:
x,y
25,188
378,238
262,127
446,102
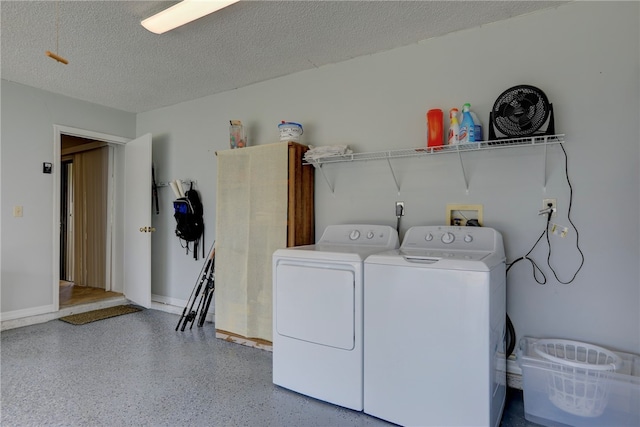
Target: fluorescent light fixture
x,y
182,13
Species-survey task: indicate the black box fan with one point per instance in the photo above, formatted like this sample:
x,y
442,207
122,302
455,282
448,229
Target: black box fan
x,y
521,111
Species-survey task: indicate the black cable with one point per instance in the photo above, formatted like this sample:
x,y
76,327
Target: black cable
x,y
534,266
566,171
511,333
510,337
399,214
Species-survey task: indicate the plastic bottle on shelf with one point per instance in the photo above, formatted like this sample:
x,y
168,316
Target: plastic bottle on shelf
x,y
466,126
435,131
477,127
454,127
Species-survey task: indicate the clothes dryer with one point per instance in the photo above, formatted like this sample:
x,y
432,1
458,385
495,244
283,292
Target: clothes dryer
x,y
317,313
434,328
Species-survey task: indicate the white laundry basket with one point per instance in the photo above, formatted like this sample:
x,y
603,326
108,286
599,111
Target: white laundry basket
x,y
579,381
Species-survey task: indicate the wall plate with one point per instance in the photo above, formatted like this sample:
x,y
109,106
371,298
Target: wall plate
x,y
460,214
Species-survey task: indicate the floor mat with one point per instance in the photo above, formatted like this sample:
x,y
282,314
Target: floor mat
x,y
95,315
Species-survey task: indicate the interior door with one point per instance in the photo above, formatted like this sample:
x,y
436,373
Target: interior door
x,y
137,221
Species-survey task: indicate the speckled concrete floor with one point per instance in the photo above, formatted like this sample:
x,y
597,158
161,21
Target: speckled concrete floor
x,y
135,370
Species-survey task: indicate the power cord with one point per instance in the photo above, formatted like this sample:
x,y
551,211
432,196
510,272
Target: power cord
x,y
399,214
534,266
566,172
511,333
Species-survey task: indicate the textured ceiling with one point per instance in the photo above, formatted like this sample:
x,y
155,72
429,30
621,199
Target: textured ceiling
x,y
114,61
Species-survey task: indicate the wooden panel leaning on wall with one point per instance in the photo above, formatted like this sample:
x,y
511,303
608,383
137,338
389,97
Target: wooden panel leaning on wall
x,y
301,220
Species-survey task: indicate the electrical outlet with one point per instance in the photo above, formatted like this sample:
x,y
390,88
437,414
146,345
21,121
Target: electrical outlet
x,y
554,205
399,209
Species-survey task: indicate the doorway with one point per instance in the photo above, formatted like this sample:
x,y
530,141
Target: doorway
x,y
84,225
128,237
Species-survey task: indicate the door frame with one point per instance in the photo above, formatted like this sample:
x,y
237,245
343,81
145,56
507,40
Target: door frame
x,y
115,142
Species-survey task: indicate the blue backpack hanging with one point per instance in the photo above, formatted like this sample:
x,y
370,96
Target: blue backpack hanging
x,y
188,213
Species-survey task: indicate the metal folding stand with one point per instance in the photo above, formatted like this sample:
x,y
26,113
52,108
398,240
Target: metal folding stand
x,y
206,278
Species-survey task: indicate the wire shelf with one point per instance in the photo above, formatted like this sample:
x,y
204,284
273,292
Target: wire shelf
x,y
531,141
428,151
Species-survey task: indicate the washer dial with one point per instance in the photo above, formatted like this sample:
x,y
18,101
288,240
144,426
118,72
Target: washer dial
x,y
354,235
448,238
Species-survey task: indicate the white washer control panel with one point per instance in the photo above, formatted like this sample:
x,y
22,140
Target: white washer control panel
x,y
360,234
445,238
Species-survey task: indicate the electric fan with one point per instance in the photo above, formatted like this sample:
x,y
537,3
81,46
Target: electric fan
x,y
521,111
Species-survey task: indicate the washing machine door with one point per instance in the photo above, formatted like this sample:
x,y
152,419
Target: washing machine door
x,y
315,302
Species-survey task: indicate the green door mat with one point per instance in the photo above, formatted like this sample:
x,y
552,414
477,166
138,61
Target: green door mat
x,y
95,315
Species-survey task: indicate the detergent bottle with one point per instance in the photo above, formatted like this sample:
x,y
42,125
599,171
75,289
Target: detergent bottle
x,y
467,130
454,127
435,133
477,127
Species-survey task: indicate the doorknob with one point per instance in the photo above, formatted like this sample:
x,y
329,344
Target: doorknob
x,y
147,229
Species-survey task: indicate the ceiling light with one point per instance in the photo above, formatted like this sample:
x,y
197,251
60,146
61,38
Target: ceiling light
x,y
182,13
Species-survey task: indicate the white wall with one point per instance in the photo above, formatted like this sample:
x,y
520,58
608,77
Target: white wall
x,y
28,117
584,56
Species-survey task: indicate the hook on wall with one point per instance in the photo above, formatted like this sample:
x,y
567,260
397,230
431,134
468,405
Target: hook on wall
x,y
183,181
177,186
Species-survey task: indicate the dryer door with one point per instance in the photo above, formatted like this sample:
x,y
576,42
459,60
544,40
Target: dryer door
x,y
316,303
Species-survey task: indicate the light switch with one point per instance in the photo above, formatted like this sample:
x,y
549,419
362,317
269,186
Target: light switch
x,y
17,211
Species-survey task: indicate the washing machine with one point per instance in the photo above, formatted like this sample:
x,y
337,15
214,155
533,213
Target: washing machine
x,y
317,312
434,328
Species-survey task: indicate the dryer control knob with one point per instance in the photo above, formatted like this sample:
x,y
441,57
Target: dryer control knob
x,y
428,237
448,237
354,235
370,235
468,238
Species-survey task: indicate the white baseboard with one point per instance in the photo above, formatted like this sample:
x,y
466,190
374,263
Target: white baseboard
x,y
167,304
32,317
35,315
175,306
27,312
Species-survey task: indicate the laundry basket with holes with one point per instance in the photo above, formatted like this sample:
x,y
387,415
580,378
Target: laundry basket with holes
x,y
578,384
579,379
